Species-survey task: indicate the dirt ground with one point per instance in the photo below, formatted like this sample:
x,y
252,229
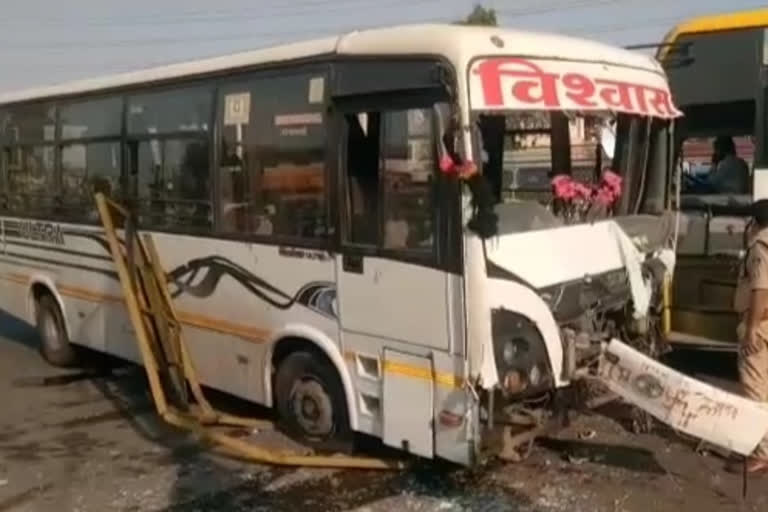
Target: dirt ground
x,y
95,445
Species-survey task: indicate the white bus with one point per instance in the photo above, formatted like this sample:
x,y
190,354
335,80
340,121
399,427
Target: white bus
x,y
322,262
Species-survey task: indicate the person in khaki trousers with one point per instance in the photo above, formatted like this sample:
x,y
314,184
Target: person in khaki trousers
x,y
751,303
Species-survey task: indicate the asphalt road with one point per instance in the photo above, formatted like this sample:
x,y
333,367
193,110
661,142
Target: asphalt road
x,y
94,444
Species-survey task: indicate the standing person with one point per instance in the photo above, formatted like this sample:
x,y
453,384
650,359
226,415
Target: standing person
x,y
751,302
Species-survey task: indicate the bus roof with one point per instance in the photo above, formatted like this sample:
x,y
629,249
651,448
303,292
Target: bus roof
x,y
717,23
459,44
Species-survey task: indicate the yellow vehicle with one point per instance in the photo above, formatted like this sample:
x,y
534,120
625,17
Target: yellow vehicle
x,y
717,67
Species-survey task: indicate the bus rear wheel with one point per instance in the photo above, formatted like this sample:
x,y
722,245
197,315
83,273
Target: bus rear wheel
x,y
311,403
55,346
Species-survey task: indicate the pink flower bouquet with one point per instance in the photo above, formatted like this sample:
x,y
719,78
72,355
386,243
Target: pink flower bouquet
x,y
577,202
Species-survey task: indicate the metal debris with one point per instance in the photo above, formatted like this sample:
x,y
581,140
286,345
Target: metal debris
x,y
577,461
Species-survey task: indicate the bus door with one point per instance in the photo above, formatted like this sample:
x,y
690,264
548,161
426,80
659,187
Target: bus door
x,y
393,294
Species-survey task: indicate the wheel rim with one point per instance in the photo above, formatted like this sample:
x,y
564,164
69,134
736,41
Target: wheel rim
x,y
312,407
50,332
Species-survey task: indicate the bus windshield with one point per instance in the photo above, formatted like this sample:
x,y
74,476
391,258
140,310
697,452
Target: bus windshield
x,y
717,140
565,143
522,152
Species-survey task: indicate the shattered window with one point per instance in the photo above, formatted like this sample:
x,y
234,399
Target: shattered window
x,y
523,151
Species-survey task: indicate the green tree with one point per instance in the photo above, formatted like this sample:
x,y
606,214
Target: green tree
x,y
480,16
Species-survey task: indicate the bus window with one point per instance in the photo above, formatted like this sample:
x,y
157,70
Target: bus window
x,y
168,139
390,178
717,165
92,118
234,183
407,176
28,124
173,185
85,170
363,177
272,165
88,165
524,150
185,110
27,133
31,180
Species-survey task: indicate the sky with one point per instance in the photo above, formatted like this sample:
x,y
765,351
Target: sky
x,y
51,41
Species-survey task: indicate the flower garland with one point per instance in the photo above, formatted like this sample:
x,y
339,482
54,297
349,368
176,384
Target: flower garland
x,y
484,220
577,202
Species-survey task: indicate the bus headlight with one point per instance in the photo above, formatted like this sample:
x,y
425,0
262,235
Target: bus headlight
x,y
520,354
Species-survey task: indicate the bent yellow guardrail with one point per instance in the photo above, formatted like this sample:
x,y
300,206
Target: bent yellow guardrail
x,y
167,361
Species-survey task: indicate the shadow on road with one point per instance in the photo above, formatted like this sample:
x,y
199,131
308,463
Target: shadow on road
x,y
630,458
16,330
717,365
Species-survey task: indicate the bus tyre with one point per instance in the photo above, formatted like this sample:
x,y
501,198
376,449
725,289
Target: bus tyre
x,y
312,404
54,342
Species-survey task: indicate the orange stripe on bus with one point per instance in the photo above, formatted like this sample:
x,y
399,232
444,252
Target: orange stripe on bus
x,y
83,294
247,332
185,317
404,370
250,333
16,278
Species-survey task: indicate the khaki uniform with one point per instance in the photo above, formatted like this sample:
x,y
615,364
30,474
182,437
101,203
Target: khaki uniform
x,y
753,362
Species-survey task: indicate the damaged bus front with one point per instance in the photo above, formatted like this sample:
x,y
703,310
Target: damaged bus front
x,y
579,240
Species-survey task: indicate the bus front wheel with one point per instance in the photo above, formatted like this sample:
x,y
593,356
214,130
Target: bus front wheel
x,y
311,402
55,346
